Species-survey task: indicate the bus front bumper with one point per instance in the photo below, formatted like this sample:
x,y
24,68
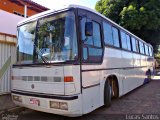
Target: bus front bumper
x,y
61,105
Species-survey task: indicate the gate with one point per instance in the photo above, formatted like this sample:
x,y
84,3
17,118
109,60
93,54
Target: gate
x,y
7,58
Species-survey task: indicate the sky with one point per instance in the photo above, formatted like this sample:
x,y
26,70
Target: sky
x,y
56,4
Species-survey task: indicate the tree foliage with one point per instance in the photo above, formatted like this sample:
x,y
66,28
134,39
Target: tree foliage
x,y
142,17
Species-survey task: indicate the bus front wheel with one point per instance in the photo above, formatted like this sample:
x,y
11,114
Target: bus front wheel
x,y
107,94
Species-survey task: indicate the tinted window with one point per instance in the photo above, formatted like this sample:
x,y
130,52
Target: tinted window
x,y
146,50
87,39
82,23
134,44
96,35
92,46
85,53
137,46
107,34
124,40
150,51
128,42
95,54
115,37
141,47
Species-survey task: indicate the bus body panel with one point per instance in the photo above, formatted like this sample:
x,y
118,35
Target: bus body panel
x,y
48,80
143,61
127,71
39,79
136,60
111,56
113,63
74,106
72,87
91,99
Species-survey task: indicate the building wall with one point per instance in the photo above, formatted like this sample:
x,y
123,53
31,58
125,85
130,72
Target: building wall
x,y
8,41
8,22
11,7
7,58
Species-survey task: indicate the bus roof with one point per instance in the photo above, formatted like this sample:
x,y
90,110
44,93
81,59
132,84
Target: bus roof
x,y
48,12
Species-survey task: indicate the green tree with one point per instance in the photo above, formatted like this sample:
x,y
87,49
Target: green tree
x,y
141,17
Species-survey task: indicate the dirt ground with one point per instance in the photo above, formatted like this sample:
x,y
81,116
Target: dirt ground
x,y
141,103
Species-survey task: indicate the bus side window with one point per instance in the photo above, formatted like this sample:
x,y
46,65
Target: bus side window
x,y
111,35
128,42
83,20
92,45
150,51
134,44
141,47
115,37
82,24
146,50
95,51
96,35
108,39
86,39
137,46
123,40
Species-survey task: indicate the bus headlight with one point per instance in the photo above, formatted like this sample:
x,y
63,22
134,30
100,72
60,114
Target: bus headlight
x,y
54,105
59,105
63,106
17,98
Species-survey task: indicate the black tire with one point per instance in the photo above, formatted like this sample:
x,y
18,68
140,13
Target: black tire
x,y
107,94
149,76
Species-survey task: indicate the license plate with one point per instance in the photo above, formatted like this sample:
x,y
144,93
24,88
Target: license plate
x,y
34,101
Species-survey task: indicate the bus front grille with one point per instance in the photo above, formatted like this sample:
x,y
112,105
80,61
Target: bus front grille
x,y
39,78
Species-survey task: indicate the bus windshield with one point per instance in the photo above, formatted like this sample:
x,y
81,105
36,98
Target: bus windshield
x,y
50,39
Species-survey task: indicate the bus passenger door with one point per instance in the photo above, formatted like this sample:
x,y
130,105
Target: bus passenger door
x,y
91,57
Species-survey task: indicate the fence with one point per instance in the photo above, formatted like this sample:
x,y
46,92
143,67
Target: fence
x,y
7,58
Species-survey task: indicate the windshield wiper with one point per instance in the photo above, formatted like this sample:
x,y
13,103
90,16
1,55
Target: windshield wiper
x,y
41,55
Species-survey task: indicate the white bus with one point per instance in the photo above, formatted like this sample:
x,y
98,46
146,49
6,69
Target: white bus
x,y
74,60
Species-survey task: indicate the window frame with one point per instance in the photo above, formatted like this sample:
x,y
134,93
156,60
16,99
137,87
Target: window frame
x,y
150,49
125,35
119,29
137,45
100,33
105,41
129,42
113,27
89,60
112,35
143,47
134,49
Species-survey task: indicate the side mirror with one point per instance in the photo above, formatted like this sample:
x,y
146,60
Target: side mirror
x,y
89,29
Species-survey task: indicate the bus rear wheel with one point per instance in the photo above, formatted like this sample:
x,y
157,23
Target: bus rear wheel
x,y
149,75
107,94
